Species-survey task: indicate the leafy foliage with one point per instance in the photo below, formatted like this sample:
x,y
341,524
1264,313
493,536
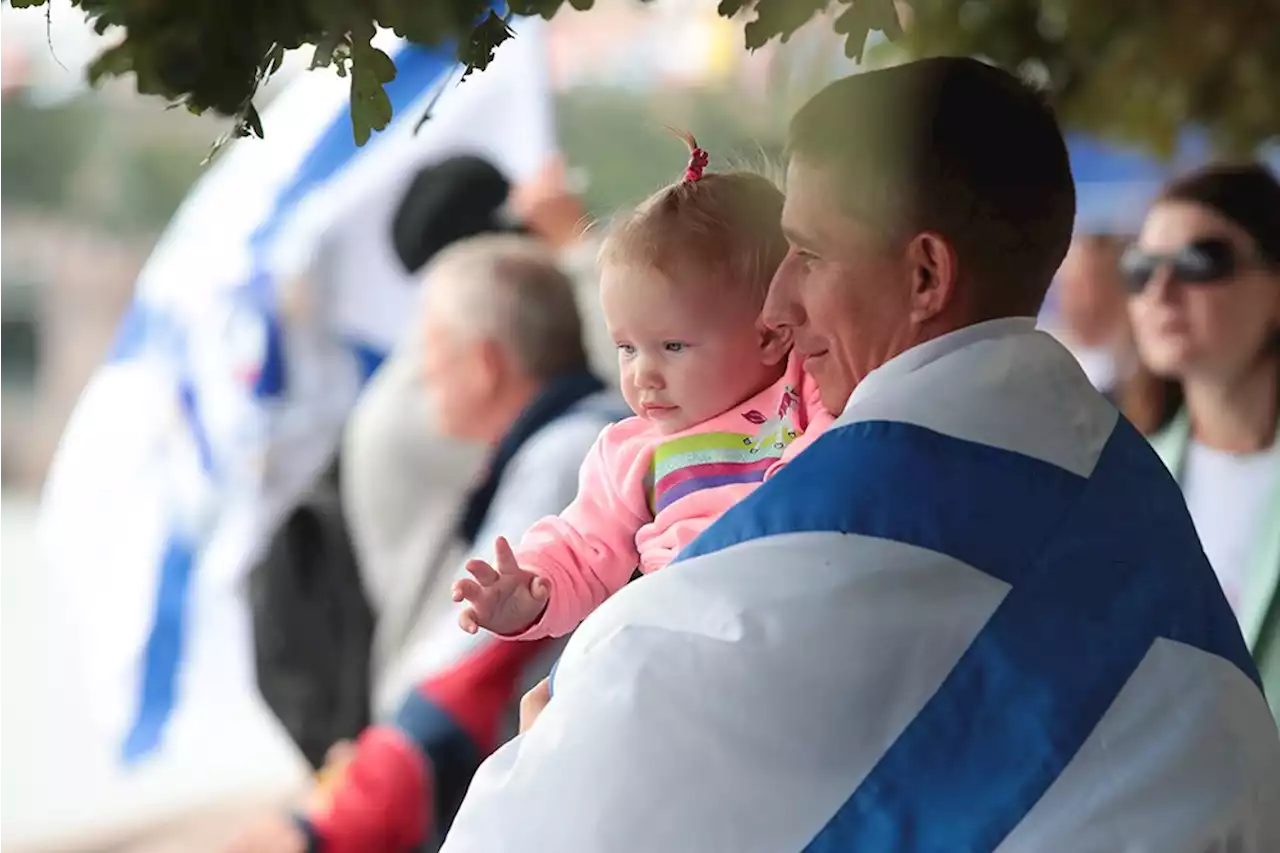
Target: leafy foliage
x,y
1131,69
214,54
1134,70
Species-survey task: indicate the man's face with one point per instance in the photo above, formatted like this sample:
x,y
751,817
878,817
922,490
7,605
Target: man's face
x,y
457,370
843,290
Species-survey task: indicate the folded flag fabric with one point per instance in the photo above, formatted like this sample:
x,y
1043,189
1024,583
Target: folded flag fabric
x,y
973,616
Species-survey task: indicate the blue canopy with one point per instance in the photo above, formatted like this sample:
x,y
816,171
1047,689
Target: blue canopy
x,y
1115,183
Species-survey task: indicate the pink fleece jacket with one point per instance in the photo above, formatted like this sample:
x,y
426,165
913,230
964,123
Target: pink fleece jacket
x,y
643,495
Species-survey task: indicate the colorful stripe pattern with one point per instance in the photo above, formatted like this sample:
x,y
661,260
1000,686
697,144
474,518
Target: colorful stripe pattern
x,y
707,460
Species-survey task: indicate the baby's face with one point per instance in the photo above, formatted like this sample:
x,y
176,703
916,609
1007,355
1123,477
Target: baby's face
x,y
687,351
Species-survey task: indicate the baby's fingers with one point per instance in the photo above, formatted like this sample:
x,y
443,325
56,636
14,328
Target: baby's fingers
x,y
482,572
468,590
506,558
539,588
467,620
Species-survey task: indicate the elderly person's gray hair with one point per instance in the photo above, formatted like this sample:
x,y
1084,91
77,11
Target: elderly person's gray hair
x,y
510,289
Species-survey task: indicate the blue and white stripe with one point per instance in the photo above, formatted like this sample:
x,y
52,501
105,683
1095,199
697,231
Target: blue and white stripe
x,y
974,616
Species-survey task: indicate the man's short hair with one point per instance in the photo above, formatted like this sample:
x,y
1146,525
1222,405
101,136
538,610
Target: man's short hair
x,y
955,146
509,289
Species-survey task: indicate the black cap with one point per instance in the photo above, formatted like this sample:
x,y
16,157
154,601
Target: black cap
x,y
446,201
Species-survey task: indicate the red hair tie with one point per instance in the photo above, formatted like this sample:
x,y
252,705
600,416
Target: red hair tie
x,y
697,157
697,162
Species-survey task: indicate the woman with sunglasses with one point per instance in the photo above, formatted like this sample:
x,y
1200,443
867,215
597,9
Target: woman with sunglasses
x,y
1204,283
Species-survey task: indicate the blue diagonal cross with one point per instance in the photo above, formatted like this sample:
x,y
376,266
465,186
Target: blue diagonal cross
x,y
1099,568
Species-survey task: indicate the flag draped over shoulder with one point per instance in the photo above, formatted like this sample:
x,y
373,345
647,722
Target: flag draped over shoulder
x,y
973,616
269,301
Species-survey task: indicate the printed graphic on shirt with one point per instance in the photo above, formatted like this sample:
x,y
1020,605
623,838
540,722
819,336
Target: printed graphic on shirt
x,y
777,432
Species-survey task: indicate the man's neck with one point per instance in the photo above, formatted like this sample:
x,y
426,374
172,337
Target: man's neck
x,y
1238,416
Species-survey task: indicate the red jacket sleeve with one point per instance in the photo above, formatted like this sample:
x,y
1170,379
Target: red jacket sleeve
x,y
380,803
409,774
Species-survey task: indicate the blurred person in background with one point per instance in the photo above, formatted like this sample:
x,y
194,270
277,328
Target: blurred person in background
x,y
404,487
1205,281
328,611
336,610
1091,301
1094,319
502,359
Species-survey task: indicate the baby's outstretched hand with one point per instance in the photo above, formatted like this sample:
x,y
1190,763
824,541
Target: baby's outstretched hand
x,y
504,600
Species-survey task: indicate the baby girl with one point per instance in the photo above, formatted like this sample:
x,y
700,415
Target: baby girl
x,y
719,404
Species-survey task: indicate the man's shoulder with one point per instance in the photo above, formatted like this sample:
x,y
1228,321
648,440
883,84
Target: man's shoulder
x,y
568,438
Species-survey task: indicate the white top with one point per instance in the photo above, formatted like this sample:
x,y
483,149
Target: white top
x,y
1228,494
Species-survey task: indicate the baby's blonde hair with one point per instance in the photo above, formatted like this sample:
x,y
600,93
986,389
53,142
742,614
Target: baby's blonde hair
x,y
727,225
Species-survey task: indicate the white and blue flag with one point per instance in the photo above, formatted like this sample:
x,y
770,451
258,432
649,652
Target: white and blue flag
x,y
270,299
974,616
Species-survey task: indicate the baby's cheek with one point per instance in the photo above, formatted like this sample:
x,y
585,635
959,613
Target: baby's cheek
x,y
629,394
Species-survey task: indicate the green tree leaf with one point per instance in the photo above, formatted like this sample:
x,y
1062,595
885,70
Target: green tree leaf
x,y
112,62
1132,70
779,19
370,107
478,51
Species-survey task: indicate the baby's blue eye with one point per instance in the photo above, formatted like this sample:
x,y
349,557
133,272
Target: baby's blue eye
x,y
674,346
626,349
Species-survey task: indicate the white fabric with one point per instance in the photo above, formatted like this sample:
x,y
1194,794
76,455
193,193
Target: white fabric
x,y
811,679
1094,807
718,696
1229,495
1081,421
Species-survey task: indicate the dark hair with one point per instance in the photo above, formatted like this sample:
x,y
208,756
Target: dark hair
x,y
1248,194
725,225
955,146
446,201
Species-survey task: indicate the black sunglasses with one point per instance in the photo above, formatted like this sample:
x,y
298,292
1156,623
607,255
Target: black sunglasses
x,y
1209,261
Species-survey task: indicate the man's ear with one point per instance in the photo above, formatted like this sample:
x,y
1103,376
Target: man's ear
x,y
775,343
934,270
492,367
